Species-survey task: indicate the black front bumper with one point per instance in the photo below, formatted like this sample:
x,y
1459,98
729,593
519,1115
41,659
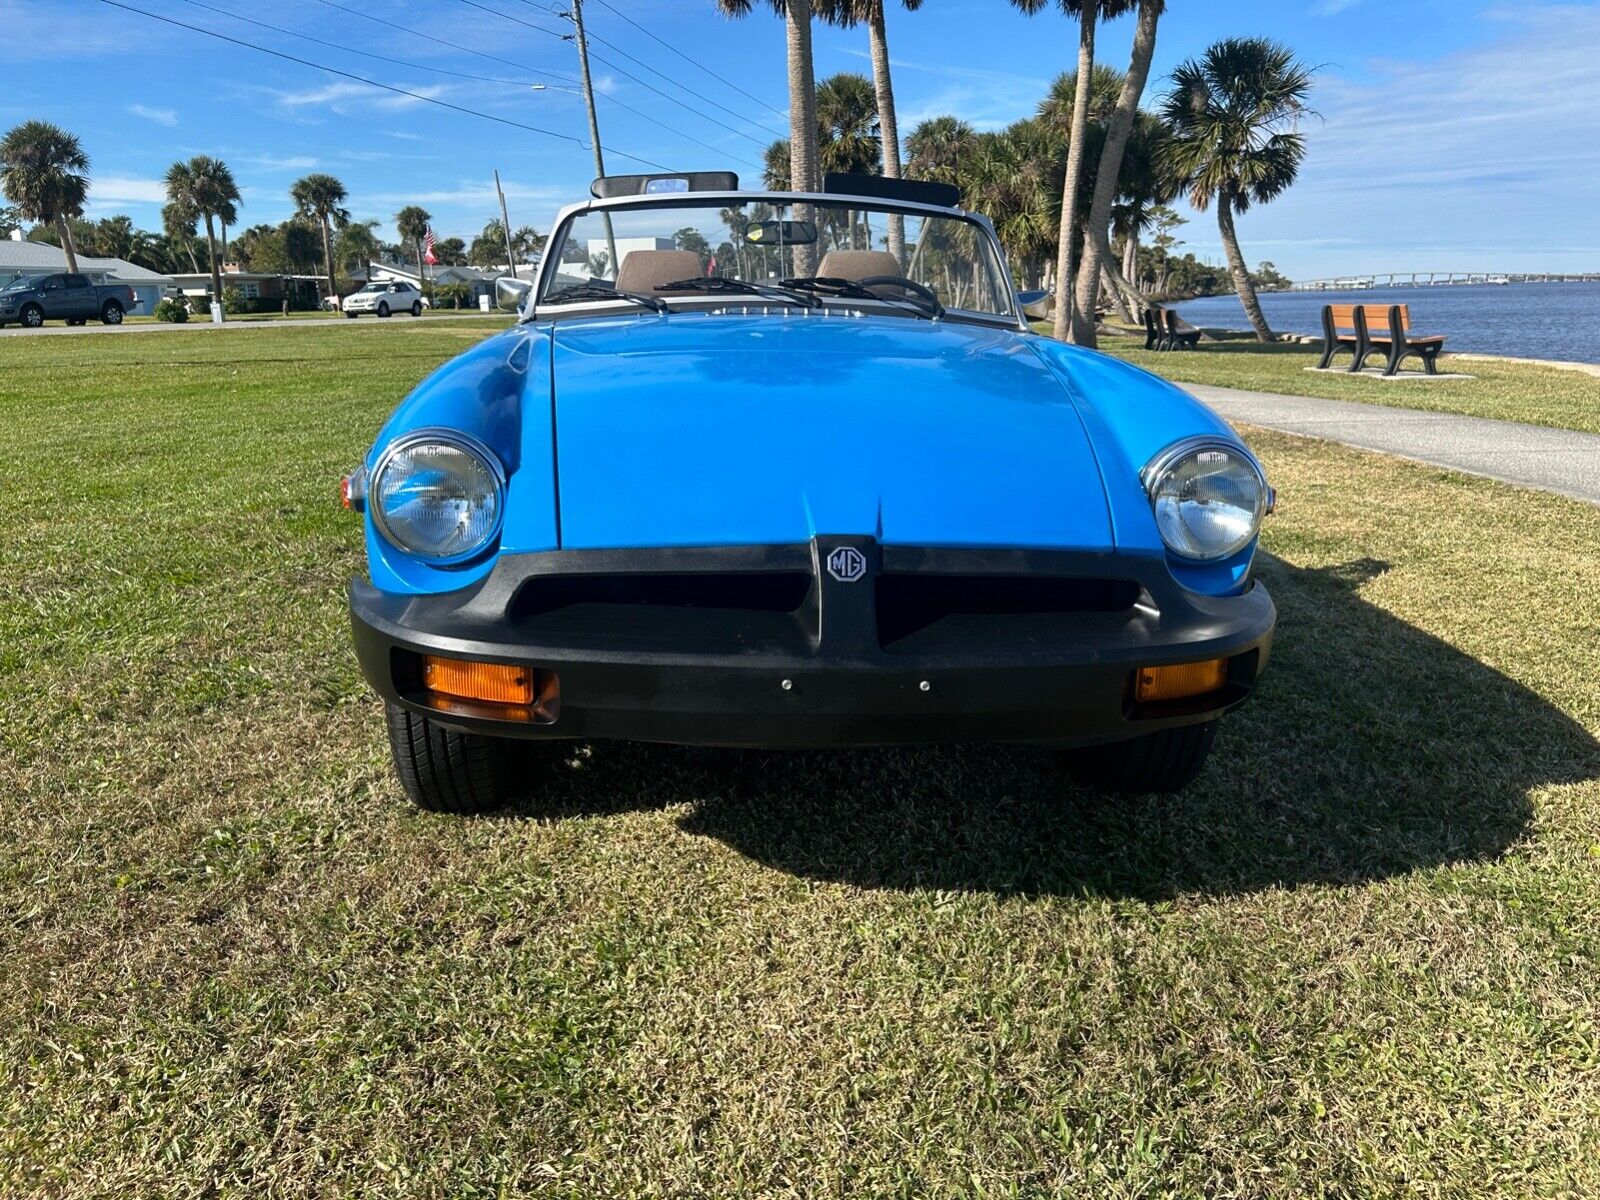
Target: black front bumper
x,y
765,646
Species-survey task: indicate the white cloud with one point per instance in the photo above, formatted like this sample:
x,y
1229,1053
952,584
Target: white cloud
x,y
124,189
1332,8
341,97
297,162
161,116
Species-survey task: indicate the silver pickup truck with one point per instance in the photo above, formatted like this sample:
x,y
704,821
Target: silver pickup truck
x,y
34,299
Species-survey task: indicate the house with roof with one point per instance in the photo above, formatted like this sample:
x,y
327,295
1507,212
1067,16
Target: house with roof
x,y
19,257
479,280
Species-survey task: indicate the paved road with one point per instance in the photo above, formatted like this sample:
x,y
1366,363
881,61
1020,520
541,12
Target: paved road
x,y
56,329
1552,460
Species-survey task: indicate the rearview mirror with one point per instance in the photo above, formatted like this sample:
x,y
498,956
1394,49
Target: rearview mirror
x,y
511,292
781,233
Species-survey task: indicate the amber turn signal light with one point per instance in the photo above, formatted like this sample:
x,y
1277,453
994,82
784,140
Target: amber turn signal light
x,y
1180,680
493,683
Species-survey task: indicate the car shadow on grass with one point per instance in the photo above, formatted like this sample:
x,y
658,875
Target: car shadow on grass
x,y
1370,749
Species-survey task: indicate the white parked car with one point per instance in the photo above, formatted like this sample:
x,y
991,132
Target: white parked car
x,y
385,298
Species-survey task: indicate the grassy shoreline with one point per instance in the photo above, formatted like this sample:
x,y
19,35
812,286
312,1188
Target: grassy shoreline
x,y
1360,958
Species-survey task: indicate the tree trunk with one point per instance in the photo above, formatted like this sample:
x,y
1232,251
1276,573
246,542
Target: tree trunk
x,y
223,226
1097,249
1130,258
1065,323
888,128
216,267
1241,274
64,231
327,256
802,120
1119,299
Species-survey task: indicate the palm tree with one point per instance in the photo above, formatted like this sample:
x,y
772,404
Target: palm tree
x,y
937,149
802,103
1234,113
177,222
1097,245
870,13
358,243
44,172
526,241
411,222
205,186
1087,14
847,126
320,198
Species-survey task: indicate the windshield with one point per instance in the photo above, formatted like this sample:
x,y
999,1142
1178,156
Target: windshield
x,y
764,243
17,285
376,287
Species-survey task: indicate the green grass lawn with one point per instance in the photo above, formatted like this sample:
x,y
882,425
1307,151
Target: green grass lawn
x,y
1509,391
1359,958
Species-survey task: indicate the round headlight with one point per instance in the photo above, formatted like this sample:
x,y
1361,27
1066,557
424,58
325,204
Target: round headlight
x,y
438,496
1208,496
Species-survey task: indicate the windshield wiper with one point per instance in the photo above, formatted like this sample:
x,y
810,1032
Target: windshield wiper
x,y
922,300
739,287
599,291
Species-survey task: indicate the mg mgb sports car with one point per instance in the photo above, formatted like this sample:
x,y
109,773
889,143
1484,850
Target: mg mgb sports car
x,y
783,469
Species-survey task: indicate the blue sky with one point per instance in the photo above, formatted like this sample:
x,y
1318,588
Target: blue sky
x,y
1451,135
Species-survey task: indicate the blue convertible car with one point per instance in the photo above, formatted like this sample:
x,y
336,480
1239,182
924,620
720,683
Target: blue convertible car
x,y
762,469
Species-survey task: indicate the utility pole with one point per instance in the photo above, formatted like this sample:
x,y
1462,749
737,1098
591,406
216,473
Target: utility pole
x,y
576,16
505,226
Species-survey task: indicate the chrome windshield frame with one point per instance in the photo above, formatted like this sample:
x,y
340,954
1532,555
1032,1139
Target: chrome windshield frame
x,y
549,264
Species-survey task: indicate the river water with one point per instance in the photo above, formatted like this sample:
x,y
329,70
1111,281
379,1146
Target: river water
x,y
1524,320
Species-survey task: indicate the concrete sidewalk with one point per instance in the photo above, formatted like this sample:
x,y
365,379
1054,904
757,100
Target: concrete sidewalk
x,y
1552,460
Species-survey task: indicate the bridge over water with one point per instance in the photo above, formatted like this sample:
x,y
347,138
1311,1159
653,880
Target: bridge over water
x,y
1437,279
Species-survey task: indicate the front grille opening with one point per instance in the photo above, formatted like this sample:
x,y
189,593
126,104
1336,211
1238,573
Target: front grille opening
x,y
909,603
740,591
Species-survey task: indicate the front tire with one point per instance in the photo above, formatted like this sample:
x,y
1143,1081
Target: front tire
x,y
111,314
416,308
33,316
350,316
446,771
383,310
1167,760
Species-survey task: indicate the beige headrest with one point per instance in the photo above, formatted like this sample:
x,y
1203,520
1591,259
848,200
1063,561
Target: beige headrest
x,y
646,270
859,264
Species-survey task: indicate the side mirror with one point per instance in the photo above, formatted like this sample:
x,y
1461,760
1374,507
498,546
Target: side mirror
x,y
512,293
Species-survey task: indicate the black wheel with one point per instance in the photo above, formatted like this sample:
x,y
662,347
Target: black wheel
x,y
383,308
446,771
350,315
416,308
32,316
111,314
1164,761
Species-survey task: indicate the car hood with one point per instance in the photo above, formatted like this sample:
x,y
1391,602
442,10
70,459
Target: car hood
x,y
698,429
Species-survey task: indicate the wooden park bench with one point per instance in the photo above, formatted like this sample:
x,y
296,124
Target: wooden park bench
x,y
1367,329
1162,331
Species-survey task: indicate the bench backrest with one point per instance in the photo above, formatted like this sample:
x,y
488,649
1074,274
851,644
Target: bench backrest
x,y
1344,315
1378,317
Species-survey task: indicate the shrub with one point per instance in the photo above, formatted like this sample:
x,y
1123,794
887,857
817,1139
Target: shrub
x,y
200,305
172,310
453,294
233,301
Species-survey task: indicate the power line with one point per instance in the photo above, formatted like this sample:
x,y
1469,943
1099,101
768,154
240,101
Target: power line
x,y
692,62
399,62
629,75
356,12
443,71
388,87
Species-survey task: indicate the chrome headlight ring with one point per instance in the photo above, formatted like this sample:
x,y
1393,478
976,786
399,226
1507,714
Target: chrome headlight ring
x,y
453,439
1233,515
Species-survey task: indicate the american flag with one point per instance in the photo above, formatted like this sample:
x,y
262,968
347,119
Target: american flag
x,y
427,249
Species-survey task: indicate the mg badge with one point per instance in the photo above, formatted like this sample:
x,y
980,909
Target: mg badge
x,y
847,564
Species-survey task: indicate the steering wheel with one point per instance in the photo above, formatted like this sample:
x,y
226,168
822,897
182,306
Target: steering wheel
x,y
910,285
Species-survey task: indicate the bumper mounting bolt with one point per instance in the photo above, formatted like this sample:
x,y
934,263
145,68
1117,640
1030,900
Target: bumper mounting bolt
x,y
925,686
787,685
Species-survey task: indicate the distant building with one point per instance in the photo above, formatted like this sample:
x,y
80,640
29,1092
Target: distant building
x,y
38,258
479,280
